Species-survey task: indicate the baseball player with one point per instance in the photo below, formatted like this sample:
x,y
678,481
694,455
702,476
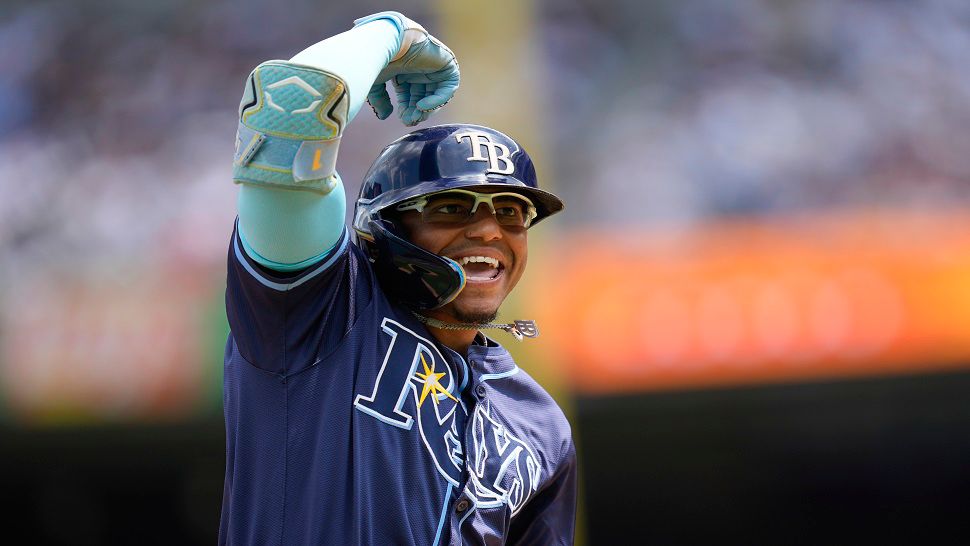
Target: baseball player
x,y
363,403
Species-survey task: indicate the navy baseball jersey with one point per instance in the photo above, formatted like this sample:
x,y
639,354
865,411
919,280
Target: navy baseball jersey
x,y
347,423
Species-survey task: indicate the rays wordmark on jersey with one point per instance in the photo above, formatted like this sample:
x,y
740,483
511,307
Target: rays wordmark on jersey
x,y
503,469
414,367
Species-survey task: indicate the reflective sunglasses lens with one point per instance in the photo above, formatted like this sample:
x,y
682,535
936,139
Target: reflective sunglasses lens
x,y
511,210
458,207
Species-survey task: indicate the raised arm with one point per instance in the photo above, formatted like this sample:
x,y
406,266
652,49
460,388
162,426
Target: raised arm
x,y
292,115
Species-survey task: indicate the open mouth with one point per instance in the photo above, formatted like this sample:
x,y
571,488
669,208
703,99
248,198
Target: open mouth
x,y
481,268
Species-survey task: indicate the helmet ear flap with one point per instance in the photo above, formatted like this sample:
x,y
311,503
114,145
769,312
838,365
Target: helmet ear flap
x,y
419,279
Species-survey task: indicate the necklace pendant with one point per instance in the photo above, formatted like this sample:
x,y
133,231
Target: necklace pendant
x,y
524,328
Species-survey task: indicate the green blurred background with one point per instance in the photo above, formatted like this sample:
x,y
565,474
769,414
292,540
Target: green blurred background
x,y
755,309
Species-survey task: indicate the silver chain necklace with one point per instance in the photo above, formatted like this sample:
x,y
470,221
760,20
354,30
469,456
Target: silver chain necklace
x,y
519,328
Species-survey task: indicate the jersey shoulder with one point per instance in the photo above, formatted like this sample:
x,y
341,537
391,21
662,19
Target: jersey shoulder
x,y
527,409
284,322
547,412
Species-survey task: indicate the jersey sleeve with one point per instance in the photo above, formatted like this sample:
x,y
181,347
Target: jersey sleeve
x,y
285,322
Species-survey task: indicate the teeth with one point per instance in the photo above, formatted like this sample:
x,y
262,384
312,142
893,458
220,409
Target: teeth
x,y
479,259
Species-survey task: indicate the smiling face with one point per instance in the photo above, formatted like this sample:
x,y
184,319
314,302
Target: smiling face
x,y
493,257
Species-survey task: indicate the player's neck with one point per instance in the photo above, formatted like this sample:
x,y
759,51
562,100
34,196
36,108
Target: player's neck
x,y
456,340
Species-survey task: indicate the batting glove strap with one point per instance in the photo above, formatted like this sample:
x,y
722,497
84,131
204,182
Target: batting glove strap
x,y
291,118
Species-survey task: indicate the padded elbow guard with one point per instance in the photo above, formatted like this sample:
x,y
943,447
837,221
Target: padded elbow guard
x,y
290,121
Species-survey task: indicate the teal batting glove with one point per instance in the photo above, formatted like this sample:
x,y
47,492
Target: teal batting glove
x,y
424,73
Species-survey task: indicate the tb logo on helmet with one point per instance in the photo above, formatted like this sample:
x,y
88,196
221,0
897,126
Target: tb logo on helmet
x,y
496,152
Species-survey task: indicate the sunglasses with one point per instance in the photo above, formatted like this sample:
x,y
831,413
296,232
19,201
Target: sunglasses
x,y
456,207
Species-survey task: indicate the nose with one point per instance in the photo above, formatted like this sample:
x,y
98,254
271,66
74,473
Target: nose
x,y
483,225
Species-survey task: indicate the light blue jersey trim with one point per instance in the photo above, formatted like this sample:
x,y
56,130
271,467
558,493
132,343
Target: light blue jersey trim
x,y
444,512
489,376
406,425
289,230
466,371
464,379
283,287
462,520
277,266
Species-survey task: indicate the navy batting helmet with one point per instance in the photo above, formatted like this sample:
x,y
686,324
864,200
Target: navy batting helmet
x,y
424,162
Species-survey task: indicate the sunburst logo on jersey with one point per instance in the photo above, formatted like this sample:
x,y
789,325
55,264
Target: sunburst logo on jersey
x,y
432,383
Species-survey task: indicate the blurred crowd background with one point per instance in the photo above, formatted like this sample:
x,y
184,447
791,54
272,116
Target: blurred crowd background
x,y
756,308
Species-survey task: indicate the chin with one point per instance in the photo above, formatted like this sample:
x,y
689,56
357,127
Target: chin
x,y
474,313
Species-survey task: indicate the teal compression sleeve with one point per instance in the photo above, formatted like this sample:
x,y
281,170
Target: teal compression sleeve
x,y
287,230
357,56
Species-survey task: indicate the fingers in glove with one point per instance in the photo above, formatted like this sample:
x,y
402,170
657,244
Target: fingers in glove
x,y
402,92
380,101
412,116
440,94
442,86
408,95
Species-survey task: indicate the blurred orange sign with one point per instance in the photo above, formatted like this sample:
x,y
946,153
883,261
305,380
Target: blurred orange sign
x,y
782,299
